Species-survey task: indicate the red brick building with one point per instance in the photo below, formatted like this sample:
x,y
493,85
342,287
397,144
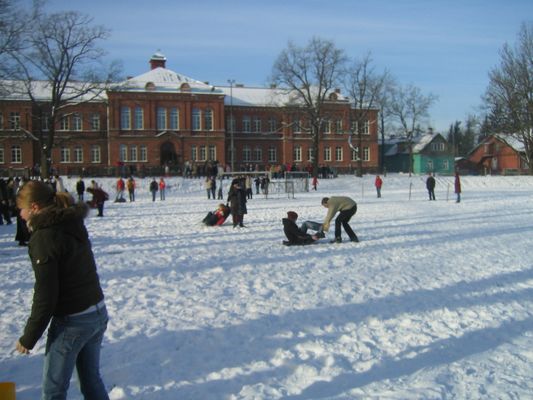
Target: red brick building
x,y
164,120
498,154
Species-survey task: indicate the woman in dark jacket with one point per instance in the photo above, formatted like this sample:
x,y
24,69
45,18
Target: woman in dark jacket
x,y
67,291
237,202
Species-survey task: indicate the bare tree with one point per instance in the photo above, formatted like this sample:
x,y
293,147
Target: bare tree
x,y
59,67
364,87
310,74
509,97
409,107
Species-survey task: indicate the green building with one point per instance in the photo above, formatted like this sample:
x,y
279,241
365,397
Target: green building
x,y
431,153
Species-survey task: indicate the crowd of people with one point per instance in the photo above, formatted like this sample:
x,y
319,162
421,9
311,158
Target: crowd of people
x,y
68,297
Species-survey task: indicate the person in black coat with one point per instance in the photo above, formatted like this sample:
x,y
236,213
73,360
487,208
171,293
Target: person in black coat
x,y
294,234
430,185
237,202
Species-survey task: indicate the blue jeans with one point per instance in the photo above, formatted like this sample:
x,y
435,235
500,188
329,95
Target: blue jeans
x,y
314,226
75,341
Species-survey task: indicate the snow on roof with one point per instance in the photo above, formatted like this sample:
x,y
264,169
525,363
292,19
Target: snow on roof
x,y
423,141
164,79
264,97
42,91
512,141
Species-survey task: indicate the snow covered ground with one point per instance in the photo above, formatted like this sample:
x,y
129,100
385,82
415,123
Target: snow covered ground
x,y
435,302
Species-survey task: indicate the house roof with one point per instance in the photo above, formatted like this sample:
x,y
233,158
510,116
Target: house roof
x,y
41,91
419,144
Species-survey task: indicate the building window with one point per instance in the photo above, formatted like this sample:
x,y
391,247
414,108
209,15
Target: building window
x,y
14,120
297,154
257,124
366,154
144,153
327,153
366,127
194,153
272,154
338,125
138,118
338,153
212,152
310,154
1,121
133,153
161,118
272,124
258,154
123,153
196,119
64,155
78,154
430,165
208,120
2,155
174,119
355,154
63,123
16,154
446,165
203,153
246,154
95,122
125,118
246,124
437,146
95,154
77,124
296,126
327,126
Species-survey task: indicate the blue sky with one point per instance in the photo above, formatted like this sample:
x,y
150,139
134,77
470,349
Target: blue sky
x,y
444,47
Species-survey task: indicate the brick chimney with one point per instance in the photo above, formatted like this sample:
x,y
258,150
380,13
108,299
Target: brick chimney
x,y
158,60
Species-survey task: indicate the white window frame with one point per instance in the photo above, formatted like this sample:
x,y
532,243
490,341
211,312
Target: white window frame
x,y
133,153
338,153
196,119
327,153
64,155
78,154
96,154
77,122
138,118
16,154
143,153
174,119
125,118
272,154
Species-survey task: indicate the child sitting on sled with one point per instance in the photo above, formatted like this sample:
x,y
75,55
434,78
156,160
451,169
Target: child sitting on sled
x,y
217,217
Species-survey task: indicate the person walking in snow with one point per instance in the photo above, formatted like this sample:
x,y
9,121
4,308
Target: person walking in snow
x,y
80,189
378,183
457,185
430,186
154,187
237,202
130,184
67,292
346,207
162,187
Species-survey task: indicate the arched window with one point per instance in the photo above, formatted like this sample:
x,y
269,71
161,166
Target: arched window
x,y
208,120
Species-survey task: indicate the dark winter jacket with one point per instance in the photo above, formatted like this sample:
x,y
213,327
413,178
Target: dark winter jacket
x,y
66,281
430,183
294,234
237,200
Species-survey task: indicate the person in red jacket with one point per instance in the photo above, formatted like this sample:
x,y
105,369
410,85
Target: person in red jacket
x,y
378,183
162,186
457,187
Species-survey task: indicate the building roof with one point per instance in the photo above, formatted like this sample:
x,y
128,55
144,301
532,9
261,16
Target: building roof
x,y
165,80
42,90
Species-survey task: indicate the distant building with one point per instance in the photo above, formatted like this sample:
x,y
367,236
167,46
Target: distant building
x,y
431,153
164,120
497,154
